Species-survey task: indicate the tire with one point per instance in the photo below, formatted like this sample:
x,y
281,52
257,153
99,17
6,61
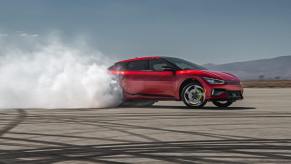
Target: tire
x,y
144,103
193,95
222,104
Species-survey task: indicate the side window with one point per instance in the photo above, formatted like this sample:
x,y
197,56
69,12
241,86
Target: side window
x,y
158,65
138,65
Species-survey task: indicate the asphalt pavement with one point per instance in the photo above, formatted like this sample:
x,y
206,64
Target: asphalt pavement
x,y
254,130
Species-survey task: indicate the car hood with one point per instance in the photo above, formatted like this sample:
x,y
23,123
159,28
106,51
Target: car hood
x,y
221,75
212,74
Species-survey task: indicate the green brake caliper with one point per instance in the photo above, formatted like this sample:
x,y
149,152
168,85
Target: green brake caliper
x,y
199,94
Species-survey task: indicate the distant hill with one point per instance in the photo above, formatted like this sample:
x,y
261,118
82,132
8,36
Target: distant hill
x,y
273,68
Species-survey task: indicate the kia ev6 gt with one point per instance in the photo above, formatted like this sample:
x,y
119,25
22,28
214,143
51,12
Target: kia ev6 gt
x,y
152,79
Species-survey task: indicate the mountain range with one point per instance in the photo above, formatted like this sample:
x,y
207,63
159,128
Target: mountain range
x,y
271,68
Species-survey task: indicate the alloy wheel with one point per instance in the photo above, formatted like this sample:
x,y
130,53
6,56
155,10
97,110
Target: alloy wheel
x,y
194,95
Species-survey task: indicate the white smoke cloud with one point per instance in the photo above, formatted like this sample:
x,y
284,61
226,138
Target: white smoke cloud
x,y
47,73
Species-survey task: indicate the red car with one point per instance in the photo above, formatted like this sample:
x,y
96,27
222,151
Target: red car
x,y
152,79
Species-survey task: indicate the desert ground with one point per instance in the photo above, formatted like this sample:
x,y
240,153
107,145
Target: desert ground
x,y
267,83
254,130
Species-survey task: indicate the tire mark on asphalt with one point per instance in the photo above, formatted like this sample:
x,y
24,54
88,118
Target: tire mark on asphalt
x,y
20,118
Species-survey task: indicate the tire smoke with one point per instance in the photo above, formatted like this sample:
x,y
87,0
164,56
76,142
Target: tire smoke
x,y
51,74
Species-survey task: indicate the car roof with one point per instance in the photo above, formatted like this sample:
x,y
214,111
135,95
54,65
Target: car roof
x,y
139,58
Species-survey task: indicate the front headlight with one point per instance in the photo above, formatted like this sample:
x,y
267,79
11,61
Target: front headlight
x,y
213,81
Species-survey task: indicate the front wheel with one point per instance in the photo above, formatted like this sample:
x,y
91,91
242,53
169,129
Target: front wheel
x,y
225,103
193,95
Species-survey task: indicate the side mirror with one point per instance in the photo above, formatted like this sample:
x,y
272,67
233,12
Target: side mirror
x,y
168,68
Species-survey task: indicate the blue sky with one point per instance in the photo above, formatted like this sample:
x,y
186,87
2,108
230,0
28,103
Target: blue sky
x,y
204,31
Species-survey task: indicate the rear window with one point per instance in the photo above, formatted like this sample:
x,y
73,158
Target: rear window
x,y
138,65
118,67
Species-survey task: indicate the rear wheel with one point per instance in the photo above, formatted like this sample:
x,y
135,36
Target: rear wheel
x,y
225,103
193,95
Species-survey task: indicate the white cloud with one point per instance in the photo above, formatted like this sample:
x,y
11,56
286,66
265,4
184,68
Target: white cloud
x,y
3,35
34,35
23,34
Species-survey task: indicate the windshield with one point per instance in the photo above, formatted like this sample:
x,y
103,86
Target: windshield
x,y
183,64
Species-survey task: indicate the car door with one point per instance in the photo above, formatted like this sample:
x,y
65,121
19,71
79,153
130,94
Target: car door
x,y
158,81
134,76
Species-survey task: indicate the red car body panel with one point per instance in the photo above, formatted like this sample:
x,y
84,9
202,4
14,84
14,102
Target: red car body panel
x,y
135,84
166,85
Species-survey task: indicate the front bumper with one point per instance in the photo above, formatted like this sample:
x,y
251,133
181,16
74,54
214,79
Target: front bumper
x,y
224,94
